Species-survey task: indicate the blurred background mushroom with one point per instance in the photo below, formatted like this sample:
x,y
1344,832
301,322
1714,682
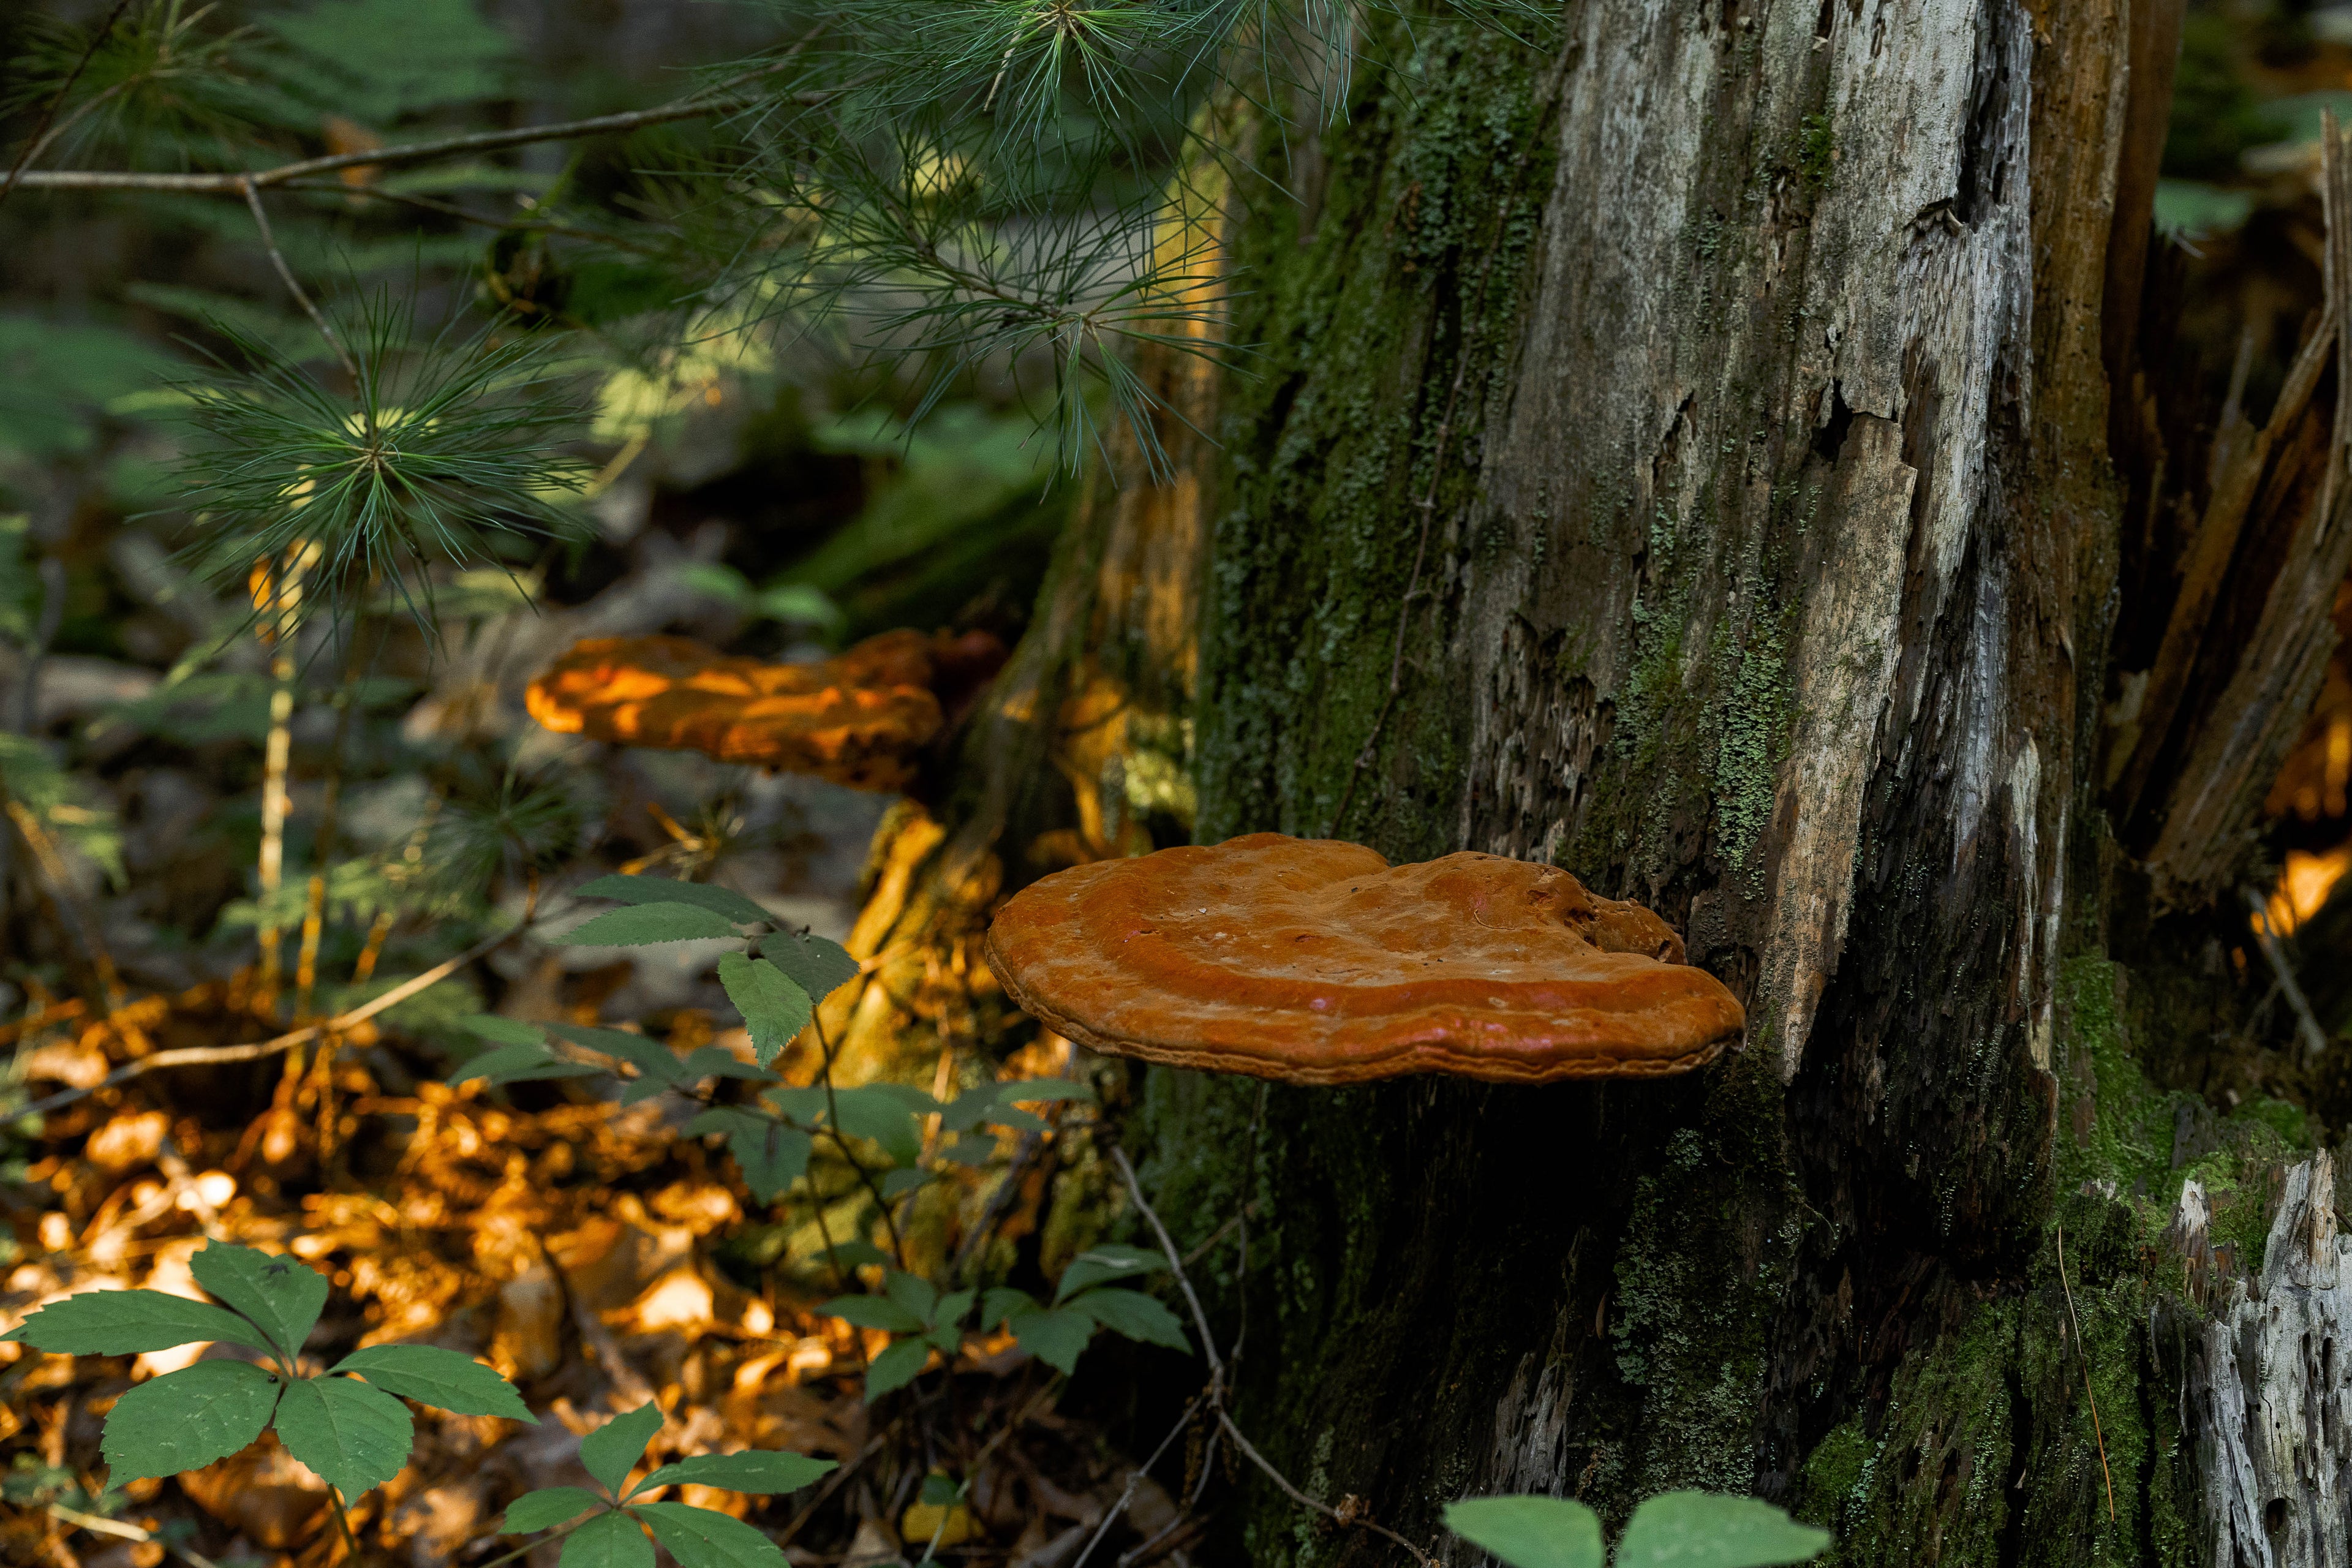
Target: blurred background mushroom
x,y
861,717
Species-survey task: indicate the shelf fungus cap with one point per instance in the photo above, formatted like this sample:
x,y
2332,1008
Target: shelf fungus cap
x,y
1315,961
859,718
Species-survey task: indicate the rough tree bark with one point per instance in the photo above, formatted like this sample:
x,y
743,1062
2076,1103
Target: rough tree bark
x,y
1714,454
1687,458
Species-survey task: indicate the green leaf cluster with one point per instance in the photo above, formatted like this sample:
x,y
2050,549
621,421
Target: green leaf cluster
x,y
613,1535
1673,1529
347,1423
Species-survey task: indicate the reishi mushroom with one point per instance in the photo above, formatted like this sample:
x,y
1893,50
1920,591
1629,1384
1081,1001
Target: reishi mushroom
x,y
861,717
1315,961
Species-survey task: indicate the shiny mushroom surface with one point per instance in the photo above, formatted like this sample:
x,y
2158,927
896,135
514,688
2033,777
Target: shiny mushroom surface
x,y
1315,961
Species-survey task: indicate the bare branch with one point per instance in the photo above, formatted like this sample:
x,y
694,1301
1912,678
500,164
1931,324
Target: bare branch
x,y
277,259
197,1055
692,107
1176,1262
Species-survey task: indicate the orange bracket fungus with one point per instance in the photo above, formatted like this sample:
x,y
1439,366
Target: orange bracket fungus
x,y
1315,961
861,717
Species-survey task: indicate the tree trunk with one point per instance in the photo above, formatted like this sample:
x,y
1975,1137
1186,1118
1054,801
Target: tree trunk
x,y
1685,458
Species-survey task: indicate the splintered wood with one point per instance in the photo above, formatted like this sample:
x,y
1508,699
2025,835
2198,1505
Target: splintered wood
x,y
2266,1398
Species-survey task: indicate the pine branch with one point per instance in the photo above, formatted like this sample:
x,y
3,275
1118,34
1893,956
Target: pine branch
x,y
697,106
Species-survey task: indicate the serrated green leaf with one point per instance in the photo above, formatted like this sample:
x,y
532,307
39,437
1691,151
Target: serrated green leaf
x,y
612,1448
806,1106
125,1322
1055,1337
765,1471
1713,1530
719,1119
817,965
714,1062
1110,1260
873,1111
1004,1302
896,1184
874,1313
896,1367
855,1254
1134,1314
912,1291
283,1295
648,1057
968,1110
1037,1091
771,1156
521,1064
642,890
546,1508
608,1540
648,923
773,1008
1530,1532
439,1377
186,1419
705,1538
356,1437
974,1149
502,1031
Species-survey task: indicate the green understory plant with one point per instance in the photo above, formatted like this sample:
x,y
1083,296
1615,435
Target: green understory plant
x,y
347,1423
776,982
1673,1529
613,1533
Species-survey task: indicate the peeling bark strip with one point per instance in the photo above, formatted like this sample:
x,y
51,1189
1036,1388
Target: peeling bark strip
x,y
1844,673
1777,331
2269,1386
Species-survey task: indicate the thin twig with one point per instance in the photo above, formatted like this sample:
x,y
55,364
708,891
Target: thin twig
x,y
2084,1351
1168,1246
1135,1479
199,1055
38,139
1214,1395
693,107
99,1525
832,1125
2314,1039
1303,1500
277,258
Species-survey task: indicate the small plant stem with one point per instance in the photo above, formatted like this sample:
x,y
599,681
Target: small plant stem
x,y
283,610
286,275
1168,1246
343,1526
534,1545
833,1126
2084,1351
1214,1395
322,845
